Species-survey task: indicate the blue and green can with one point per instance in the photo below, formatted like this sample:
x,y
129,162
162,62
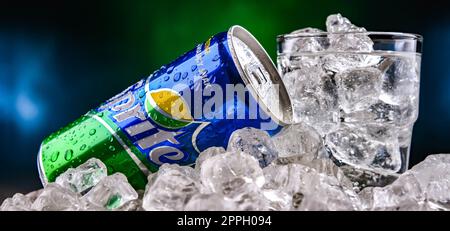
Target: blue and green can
x,y
195,102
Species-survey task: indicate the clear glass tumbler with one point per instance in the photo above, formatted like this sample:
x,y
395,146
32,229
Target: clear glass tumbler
x,y
360,91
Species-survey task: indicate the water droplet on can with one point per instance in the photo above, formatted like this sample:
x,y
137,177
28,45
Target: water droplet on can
x,y
177,77
68,155
169,70
216,57
100,114
166,78
111,139
194,67
185,74
82,147
54,156
112,148
92,132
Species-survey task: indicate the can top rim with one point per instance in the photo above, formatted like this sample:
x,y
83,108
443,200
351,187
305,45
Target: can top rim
x,y
286,115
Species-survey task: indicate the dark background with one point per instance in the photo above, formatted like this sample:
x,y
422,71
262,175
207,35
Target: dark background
x,y
60,59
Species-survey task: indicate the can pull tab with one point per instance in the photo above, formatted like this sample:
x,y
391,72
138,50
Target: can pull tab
x,y
257,74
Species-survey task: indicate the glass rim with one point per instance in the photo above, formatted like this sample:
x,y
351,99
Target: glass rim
x,y
401,35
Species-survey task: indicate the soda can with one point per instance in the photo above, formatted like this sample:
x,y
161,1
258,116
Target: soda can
x,y
224,84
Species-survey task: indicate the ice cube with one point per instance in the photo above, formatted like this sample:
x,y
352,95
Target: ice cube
x,y
423,187
56,198
297,44
358,88
315,100
254,142
111,192
433,176
308,40
18,202
207,153
209,202
170,188
34,194
400,80
404,194
277,200
351,145
381,112
132,205
245,194
218,171
298,139
346,37
310,189
336,23
328,195
83,177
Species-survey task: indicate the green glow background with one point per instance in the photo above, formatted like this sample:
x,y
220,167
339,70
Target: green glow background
x,y
154,33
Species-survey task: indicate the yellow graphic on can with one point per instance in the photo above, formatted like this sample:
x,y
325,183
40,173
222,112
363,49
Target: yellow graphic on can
x,y
168,108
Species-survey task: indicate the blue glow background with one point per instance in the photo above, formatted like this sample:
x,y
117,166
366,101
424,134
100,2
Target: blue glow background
x,y
58,60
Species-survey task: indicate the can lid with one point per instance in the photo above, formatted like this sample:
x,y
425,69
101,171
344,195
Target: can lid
x,y
260,75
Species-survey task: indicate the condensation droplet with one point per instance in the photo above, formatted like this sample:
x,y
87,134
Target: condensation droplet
x,y
177,77
54,156
68,155
169,70
83,147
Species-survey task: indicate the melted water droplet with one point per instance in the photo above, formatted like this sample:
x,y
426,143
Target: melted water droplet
x,y
92,132
169,70
69,154
54,156
185,74
83,147
177,77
